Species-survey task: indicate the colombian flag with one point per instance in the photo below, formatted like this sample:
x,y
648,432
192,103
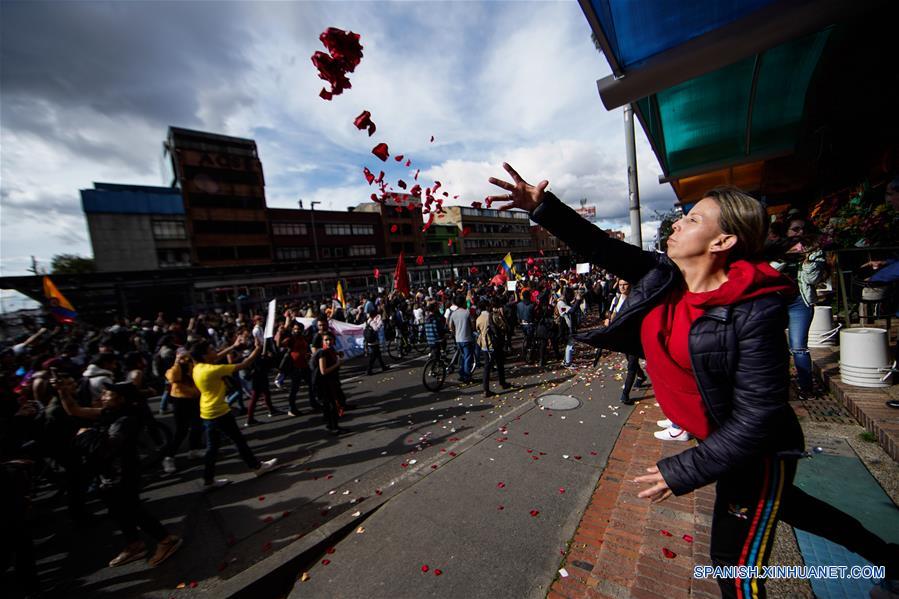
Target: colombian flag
x,y
60,308
509,266
340,295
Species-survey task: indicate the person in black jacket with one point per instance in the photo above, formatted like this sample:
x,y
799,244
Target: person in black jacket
x,y
712,321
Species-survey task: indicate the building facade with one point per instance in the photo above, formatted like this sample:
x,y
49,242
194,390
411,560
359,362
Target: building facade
x,y
485,230
401,223
136,227
324,234
223,188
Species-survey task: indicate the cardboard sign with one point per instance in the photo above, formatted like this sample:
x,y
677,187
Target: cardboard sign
x,y
583,268
511,285
270,320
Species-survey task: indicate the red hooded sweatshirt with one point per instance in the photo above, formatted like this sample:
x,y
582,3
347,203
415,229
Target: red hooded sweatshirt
x,y
665,335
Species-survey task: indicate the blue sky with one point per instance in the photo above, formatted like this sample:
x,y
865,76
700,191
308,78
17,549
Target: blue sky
x,y
89,89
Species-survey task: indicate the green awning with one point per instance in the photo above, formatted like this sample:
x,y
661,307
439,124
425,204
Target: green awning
x,y
747,111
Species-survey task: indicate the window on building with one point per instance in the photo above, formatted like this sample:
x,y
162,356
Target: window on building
x,y
325,252
362,250
338,230
169,229
284,229
338,252
292,253
363,229
173,258
230,227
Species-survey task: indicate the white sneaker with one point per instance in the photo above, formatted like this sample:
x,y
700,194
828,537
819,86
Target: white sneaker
x,y
266,466
664,423
168,464
672,434
277,384
216,484
194,454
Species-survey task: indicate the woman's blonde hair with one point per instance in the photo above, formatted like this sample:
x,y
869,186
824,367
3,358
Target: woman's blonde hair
x,y
744,217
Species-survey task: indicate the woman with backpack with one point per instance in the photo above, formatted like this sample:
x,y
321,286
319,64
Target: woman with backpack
x,y
709,315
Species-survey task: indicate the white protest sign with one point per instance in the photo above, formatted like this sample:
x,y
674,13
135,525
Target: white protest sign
x,y
583,268
511,285
270,320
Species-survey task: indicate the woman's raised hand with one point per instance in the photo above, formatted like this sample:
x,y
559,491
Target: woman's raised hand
x,y
521,194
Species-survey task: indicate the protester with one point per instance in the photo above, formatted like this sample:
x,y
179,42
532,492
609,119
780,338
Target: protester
x,y
460,325
296,363
372,338
186,399
492,327
710,317
217,417
327,380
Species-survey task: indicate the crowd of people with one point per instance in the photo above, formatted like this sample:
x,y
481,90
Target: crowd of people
x,y
707,316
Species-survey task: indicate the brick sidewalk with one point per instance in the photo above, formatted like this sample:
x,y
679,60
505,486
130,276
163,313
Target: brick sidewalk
x,y
617,550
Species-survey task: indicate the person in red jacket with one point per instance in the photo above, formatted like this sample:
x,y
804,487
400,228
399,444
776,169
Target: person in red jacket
x,y
710,319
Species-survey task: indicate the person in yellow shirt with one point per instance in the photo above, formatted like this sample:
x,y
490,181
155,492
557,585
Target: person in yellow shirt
x,y
214,411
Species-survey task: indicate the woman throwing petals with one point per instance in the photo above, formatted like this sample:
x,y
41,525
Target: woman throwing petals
x,y
710,319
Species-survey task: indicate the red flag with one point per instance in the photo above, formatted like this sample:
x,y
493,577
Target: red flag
x,y
401,276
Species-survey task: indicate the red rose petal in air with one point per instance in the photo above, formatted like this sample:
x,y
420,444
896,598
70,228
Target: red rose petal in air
x,y
425,568
381,152
344,47
668,553
428,224
376,273
325,562
325,94
450,243
363,121
410,207
534,513
408,163
398,158
438,572
368,175
420,260
416,173
401,184
665,533
393,228
688,538
455,197
466,231
374,197
380,178
432,139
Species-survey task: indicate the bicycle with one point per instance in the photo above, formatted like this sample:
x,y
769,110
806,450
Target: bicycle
x,y
437,367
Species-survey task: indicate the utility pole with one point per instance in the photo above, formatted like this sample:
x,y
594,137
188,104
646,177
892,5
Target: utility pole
x,y
633,191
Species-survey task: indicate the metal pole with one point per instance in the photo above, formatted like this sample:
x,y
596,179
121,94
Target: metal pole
x,y
633,191
314,234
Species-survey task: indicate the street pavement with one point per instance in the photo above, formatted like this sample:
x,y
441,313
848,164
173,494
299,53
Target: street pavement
x,y
488,491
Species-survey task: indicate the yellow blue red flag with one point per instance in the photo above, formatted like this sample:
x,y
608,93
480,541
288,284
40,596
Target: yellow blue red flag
x,y
61,309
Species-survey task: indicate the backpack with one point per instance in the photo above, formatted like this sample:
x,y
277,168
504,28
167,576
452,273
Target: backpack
x,y
83,394
369,335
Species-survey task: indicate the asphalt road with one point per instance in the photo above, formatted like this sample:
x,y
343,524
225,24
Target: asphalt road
x,y
439,456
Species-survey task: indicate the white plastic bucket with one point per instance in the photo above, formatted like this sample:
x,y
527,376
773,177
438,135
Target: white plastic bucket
x,y
870,384
859,370
864,348
822,333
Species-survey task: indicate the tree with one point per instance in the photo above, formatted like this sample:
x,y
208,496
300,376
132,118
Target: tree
x,y
71,264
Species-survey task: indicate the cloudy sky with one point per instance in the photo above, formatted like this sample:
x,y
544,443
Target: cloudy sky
x,y
88,90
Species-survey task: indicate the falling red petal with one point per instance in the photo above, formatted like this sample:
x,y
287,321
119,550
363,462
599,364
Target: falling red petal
x,y
368,175
363,121
668,553
419,261
466,231
408,163
432,139
449,242
416,173
380,178
393,228
381,152
398,158
325,94
476,204
377,273
344,47
401,184
428,224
